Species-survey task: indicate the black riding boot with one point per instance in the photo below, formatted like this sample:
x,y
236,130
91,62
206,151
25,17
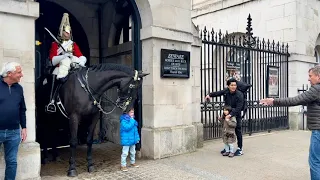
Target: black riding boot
x,y
51,107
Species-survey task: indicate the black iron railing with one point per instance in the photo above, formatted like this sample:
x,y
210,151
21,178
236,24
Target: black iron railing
x,y
259,62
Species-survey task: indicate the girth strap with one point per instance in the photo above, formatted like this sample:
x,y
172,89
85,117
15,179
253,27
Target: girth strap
x,y
61,107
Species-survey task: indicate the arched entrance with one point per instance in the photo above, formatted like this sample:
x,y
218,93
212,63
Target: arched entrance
x,y
107,32
50,17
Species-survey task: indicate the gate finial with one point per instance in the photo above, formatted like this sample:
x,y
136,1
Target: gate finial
x,y
249,41
249,26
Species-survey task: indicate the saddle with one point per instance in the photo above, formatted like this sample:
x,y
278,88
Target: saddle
x,y
54,95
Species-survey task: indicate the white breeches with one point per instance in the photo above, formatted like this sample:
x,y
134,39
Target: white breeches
x,y
64,66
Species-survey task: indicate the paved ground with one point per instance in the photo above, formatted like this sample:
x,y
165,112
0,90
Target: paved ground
x,y
279,155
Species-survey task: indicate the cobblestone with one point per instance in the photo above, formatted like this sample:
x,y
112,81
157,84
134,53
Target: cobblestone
x,y
107,163
266,157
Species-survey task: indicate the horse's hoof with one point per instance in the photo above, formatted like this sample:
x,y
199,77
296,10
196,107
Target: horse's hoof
x,y
58,159
90,169
44,161
72,173
55,158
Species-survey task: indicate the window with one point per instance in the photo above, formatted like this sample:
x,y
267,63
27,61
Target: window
x,y
317,53
125,35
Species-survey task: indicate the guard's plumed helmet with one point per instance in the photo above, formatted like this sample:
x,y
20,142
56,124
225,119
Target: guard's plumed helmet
x,y
65,26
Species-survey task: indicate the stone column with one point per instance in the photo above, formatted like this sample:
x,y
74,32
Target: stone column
x,y
171,106
301,34
17,43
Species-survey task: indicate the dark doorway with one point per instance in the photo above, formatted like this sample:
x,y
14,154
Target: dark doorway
x,y
117,30
50,17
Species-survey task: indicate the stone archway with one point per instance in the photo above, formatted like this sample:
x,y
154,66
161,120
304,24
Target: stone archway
x,y
91,30
164,25
50,17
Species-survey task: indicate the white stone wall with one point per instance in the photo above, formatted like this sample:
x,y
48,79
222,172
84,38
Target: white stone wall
x,y
171,111
295,22
272,19
17,43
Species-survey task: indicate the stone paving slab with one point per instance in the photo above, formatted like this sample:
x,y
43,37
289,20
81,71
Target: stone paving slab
x,y
281,155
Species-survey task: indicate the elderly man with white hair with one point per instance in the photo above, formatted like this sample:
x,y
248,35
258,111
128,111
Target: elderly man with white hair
x,y
13,115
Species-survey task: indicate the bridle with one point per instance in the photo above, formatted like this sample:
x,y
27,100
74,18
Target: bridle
x,y
83,80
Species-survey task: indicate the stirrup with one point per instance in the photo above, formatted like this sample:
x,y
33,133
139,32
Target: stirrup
x,y
51,107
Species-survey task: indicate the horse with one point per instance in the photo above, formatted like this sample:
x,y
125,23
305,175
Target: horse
x,y
51,126
81,95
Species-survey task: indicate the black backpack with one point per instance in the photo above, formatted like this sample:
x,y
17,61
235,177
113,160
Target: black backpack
x,y
244,88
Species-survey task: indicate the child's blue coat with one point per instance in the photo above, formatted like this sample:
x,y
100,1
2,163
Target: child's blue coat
x,y
128,130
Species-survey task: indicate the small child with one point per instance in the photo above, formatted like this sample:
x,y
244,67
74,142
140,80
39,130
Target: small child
x,y
229,135
129,138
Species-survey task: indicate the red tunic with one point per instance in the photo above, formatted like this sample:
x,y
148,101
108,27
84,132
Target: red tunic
x,y
54,50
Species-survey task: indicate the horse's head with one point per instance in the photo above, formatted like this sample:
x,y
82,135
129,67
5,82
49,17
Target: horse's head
x,y
128,90
124,78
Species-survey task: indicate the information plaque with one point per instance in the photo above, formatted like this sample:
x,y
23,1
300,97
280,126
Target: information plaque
x,y
175,64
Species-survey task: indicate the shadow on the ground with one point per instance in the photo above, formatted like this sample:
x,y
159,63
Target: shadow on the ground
x,y
106,157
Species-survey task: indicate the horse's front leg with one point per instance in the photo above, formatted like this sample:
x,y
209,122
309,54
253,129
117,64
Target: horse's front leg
x,y
44,158
54,152
73,124
54,140
89,143
45,140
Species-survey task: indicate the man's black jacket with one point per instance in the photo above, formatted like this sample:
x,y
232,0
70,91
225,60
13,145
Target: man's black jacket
x,y
235,100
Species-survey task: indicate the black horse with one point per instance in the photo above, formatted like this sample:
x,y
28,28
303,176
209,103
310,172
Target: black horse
x,y
81,95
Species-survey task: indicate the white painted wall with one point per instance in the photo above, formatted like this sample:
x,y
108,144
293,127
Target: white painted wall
x,y
17,43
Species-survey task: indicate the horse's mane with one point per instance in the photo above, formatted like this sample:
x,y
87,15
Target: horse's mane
x,y
112,66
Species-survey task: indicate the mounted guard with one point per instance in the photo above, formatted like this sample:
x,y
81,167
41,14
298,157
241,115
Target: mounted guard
x,y
64,53
62,57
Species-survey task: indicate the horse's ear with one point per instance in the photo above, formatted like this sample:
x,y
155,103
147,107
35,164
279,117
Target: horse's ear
x,y
143,74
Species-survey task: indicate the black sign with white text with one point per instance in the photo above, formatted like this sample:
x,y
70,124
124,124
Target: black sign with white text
x,y
175,64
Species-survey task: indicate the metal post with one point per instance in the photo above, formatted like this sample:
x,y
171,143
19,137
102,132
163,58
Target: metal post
x,y
249,42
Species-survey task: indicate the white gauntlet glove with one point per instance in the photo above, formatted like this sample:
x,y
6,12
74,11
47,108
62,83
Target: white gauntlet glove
x,y
57,59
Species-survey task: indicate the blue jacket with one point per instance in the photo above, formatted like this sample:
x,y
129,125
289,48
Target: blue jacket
x,y
128,130
12,106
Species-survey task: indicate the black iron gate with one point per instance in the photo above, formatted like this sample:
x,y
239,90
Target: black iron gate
x,y
259,62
